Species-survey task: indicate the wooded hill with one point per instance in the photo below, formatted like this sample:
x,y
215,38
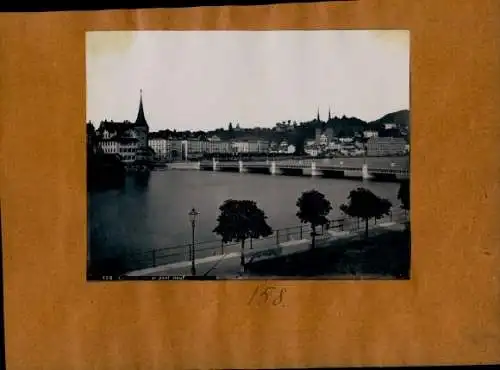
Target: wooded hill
x,y
293,132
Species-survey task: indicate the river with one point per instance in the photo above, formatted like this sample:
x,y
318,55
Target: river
x,y
153,213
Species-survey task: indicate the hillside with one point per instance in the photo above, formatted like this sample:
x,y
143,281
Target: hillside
x,y
400,118
341,126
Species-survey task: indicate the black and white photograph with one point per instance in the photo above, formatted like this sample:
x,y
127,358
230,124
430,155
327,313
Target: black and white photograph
x,y
215,155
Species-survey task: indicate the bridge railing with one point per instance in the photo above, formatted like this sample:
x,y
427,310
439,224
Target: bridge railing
x,y
337,167
179,253
292,165
256,164
389,170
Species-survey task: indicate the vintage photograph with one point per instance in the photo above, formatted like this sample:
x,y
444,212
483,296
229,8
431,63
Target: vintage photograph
x,y
248,155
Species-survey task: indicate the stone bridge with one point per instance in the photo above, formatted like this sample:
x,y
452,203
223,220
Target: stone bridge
x,y
387,168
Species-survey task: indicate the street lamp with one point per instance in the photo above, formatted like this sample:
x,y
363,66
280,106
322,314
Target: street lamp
x,y
193,215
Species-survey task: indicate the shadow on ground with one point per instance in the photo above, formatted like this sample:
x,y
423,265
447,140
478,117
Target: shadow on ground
x,y
386,255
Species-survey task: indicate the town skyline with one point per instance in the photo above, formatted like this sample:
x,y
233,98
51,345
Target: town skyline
x,y
138,61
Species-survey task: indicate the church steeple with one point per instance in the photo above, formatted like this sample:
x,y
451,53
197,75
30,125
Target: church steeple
x,y
329,114
141,119
317,116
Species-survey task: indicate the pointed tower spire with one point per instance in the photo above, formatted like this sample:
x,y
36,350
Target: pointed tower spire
x,y
317,115
141,119
329,114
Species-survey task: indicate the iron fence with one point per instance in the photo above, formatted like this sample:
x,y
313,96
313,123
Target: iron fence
x,y
180,253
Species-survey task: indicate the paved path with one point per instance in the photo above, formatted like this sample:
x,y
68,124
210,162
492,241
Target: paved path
x,y
214,247
228,264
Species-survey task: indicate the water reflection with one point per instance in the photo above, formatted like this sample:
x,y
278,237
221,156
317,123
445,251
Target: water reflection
x,y
141,179
150,210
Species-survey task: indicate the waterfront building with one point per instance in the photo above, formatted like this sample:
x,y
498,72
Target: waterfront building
x,y
381,146
370,133
196,146
312,151
176,149
182,149
218,147
161,147
240,146
334,146
127,139
125,145
249,146
323,140
260,146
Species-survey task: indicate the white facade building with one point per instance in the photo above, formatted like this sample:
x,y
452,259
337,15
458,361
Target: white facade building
x,y
334,146
323,140
249,146
370,133
383,146
127,139
219,147
126,149
240,146
346,139
312,151
161,147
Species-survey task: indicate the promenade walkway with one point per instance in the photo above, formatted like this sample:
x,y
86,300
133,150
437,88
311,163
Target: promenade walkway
x,y
228,265
212,248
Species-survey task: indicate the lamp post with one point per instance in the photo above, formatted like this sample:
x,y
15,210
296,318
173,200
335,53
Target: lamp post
x,y
193,215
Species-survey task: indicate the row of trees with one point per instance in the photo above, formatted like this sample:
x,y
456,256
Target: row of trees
x,y
240,220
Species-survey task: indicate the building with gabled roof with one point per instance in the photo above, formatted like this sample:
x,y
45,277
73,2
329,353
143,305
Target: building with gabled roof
x,y
127,139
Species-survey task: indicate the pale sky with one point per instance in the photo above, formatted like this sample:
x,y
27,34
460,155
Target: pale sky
x,y
201,80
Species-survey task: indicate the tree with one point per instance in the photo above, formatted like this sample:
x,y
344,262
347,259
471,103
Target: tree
x,y
366,205
230,128
240,220
105,171
313,209
92,140
404,195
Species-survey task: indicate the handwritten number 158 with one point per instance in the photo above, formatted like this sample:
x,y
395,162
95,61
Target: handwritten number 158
x,y
268,294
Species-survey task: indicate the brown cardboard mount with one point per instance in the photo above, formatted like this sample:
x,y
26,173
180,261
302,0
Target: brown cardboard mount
x,y
448,313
